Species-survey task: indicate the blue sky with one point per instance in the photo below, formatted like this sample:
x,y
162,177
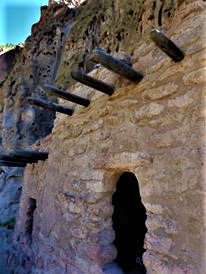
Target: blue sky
x,y
16,19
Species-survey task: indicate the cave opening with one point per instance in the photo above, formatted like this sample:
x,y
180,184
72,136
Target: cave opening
x,y
129,218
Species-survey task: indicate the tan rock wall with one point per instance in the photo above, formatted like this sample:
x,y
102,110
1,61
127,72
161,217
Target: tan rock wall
x,y
154,129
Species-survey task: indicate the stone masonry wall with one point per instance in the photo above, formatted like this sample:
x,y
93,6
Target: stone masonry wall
x,y
154,129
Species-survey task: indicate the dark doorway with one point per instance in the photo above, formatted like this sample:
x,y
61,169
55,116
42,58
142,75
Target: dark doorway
x,y
29,215
129,224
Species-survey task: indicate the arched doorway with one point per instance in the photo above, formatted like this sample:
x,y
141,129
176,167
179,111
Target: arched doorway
x,y
129,224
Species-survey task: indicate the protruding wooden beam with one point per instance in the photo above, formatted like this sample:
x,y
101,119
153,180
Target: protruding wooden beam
x,y
92,82
49,105
116,65
30,155
166,45
12,164
66,95
12,158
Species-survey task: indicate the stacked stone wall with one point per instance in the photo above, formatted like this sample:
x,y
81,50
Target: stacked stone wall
x,y
154,129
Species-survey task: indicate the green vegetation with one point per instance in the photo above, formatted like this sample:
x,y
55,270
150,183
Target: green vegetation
x,y
9,46
10,224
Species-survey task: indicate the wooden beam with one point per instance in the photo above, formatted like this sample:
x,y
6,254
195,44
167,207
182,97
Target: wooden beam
x,y
49,105
66,95
30,154
116,65
12,164
13,158
166,45
24,156
92,82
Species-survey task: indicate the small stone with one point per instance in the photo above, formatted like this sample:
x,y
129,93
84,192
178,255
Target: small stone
x,y
105,236
82,264
160,91
79,232
98,253
88,175
170,226
148,111
158,243
153,222
74,208
154,265
95,125
99,186
154,208
112,268
182,101
124,160
195,77
95,268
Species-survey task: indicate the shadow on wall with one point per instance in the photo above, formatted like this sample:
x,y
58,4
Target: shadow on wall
x,y
129,224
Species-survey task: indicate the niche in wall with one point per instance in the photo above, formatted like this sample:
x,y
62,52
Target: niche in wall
x,y
129,224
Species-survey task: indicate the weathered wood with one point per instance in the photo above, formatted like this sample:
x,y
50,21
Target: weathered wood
x,y
116,65
30,155
92,82
166,45
66,95
12,164
13,158
49,105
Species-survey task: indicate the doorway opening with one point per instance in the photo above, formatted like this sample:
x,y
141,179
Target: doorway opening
x,y
129,224
30,215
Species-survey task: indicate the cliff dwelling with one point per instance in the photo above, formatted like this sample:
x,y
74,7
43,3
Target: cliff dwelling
x,y
103,140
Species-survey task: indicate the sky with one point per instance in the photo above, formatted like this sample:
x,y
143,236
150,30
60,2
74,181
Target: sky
x,y
16,19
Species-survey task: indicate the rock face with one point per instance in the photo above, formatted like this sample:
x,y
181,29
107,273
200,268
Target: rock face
x,y
154,129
